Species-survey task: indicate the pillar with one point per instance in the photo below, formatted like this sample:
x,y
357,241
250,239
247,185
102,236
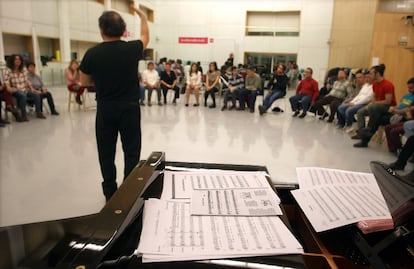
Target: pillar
x,y
64,30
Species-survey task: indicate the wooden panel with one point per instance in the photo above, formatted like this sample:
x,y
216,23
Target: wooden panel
x,y
351,36
388,29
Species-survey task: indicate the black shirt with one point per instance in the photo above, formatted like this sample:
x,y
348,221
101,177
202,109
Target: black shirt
x,y
113,67
169,79
279,82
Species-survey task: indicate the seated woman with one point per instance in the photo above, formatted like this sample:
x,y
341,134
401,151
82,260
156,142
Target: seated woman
x,y
37,84
277,88
193,84
16,82
212,81
73,80
6,97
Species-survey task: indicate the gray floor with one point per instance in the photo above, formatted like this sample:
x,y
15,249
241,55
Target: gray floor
x,y
49,168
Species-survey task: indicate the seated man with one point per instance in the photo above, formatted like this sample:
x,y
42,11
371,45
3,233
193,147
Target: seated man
x,y
384,96
306,93
37,84
347,111
151,81
235,84
169,82
16,82
277,88
340,89
253,84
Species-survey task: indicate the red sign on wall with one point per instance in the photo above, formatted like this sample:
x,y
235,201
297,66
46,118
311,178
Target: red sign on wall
x,y
193,40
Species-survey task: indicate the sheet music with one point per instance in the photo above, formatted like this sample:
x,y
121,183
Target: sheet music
x,y
339,198
180,185
171,233
235,202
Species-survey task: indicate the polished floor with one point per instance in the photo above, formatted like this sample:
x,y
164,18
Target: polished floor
x,y
49,168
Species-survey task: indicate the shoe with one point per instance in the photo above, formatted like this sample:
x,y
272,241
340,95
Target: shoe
x,y
302,115
261,110
205,104
4,121
165,102
251,110
159,103
330,120
296,113
240,109
78,100
212,106
349,129
339,126
40,116
396,166
361,144
186,104
196,105
232,107
356,137
324,115
149,104
174,102
223,108
55,113
2,125
141,103
24,119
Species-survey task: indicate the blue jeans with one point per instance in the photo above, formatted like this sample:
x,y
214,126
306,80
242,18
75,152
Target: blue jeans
x,y
271,97
21,101
409,128
36,99
305,99
142,93
346,114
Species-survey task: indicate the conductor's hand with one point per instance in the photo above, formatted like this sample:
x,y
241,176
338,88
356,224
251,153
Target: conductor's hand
x,y
137,10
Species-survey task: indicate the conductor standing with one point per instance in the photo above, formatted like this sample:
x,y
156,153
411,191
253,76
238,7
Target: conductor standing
x,y
113,67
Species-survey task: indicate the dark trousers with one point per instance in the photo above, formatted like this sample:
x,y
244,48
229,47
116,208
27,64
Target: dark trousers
x,y
211,93
230,96
333,103
113,118
378,113
406,152
393,133
50,101
304,99
176,90
150,94
244,94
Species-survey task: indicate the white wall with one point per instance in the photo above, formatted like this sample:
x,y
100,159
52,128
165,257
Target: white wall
x,y
225,20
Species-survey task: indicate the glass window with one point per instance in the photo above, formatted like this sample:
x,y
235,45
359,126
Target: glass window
x,y
283,23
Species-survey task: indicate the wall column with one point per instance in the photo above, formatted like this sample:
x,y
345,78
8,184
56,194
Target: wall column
x,y
107,5
64,30
2,62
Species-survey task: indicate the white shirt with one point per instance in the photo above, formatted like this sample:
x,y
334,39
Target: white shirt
x,y
150,77
364,96
194,79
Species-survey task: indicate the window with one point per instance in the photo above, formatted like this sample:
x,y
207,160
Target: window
x,y
121,5
396,6
283,23
265,62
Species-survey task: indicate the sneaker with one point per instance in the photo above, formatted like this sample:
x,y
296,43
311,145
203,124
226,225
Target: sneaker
x,y
302,115
296,113
361,144
40,116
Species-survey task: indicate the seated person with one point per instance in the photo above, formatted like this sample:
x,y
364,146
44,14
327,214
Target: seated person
x,y
169,82
37,84
253,84
73,80
277,88
307,92
16,82
212,84
7,97
347,111
406,152
151,81
384,98
193,84
235,84
340,89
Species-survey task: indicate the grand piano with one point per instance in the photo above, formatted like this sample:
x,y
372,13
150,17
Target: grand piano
x,y
109,238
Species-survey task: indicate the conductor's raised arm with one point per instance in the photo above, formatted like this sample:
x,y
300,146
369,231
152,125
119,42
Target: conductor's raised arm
x,y
145,35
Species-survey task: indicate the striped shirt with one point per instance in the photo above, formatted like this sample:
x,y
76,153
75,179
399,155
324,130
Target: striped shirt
x,y
236,81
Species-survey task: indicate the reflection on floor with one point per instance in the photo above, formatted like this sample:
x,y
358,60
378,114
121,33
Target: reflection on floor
x,y
49,168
